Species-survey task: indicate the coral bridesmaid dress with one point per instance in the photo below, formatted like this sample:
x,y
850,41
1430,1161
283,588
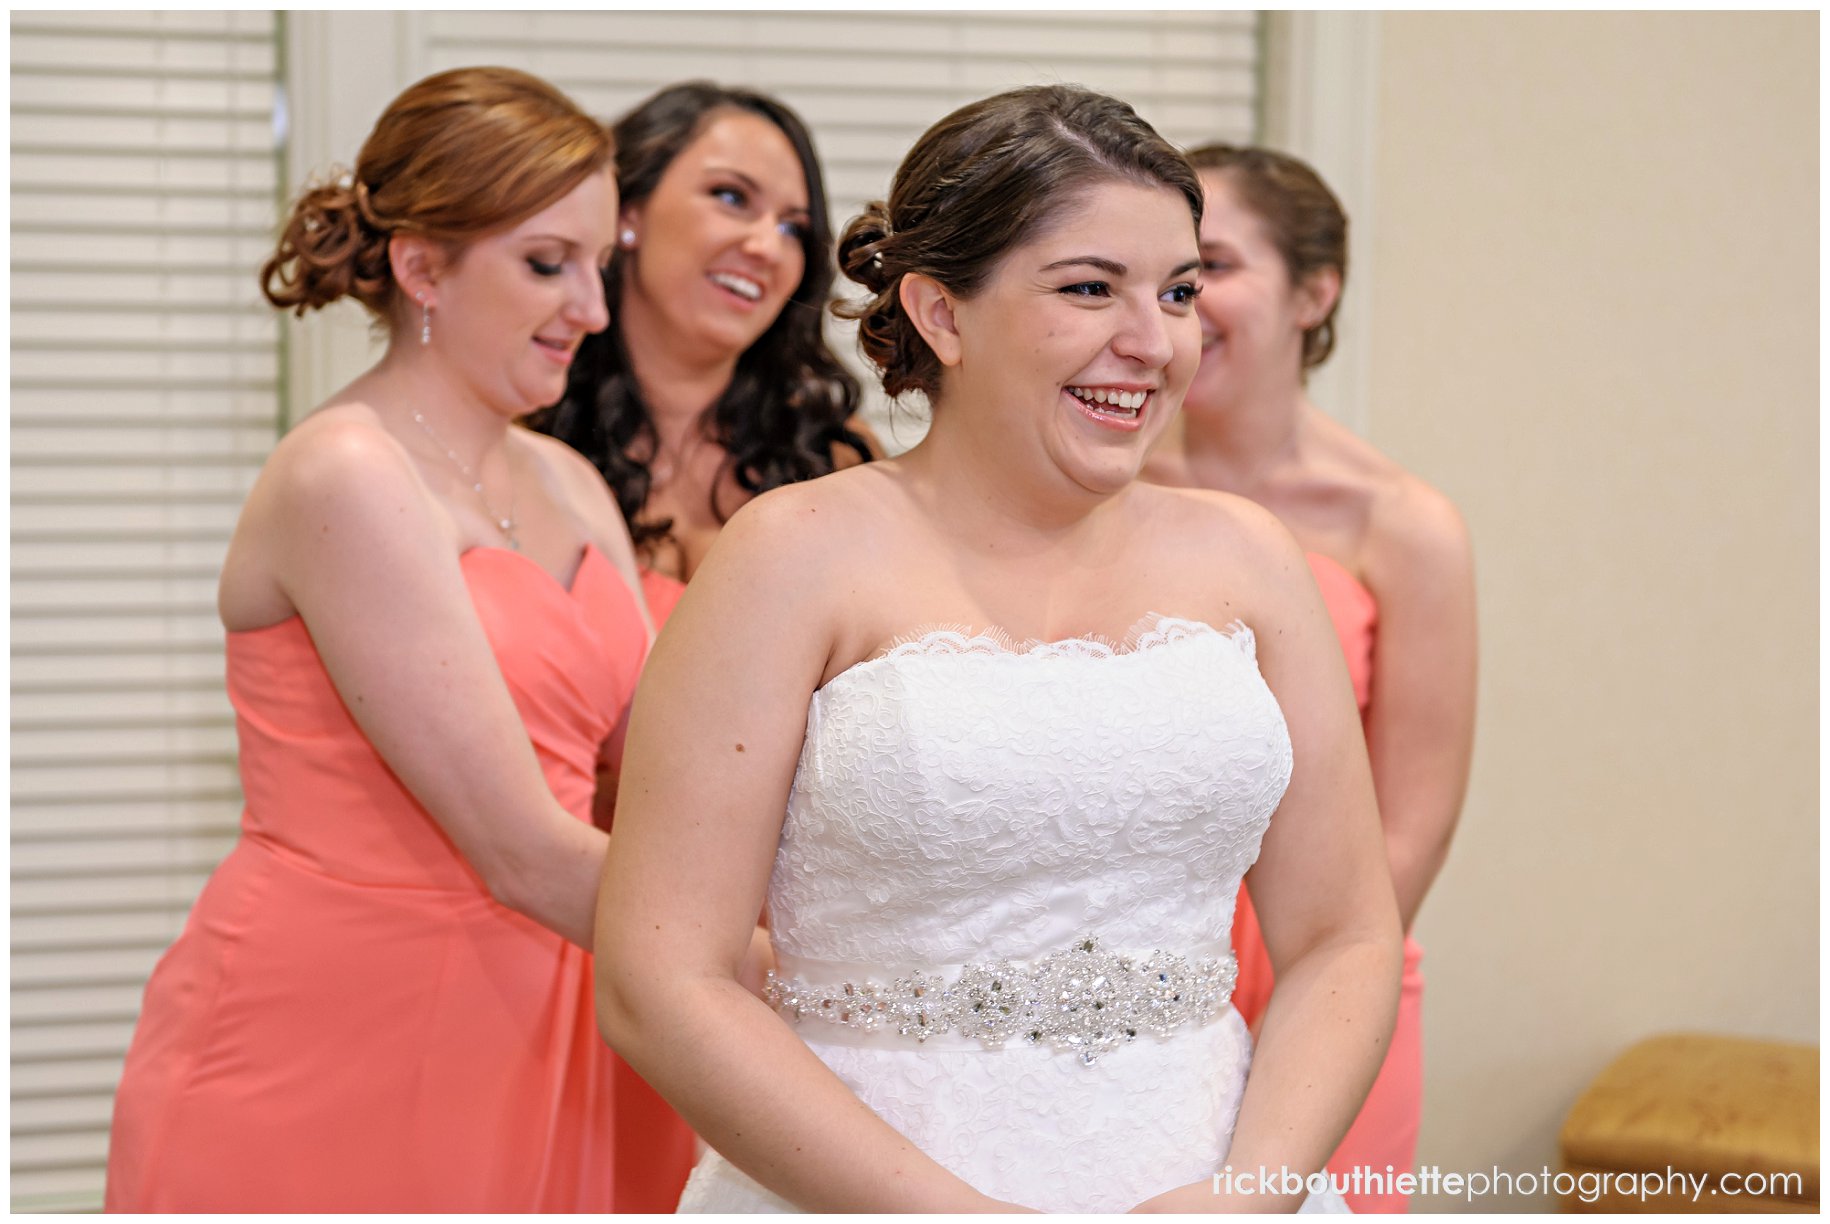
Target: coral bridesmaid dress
x,y
349,1021
662,593
1385,1133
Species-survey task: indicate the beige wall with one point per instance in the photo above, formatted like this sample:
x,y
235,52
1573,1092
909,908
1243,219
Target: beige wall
x,y
1594,324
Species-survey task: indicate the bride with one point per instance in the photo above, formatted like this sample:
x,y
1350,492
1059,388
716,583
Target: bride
x,y
995,730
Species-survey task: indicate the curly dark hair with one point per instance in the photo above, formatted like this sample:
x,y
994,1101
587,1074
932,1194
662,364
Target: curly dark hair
x,y
789,403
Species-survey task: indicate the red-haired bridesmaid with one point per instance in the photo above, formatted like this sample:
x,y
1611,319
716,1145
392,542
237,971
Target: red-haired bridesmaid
x,y
382,999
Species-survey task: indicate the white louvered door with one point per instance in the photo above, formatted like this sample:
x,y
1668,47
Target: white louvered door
x,y
144,397
870,83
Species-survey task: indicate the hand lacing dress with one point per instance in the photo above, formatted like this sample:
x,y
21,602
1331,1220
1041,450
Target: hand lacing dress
x,y
961,801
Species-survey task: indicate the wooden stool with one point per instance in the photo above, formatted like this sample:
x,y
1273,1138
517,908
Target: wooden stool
x,y
1701,1105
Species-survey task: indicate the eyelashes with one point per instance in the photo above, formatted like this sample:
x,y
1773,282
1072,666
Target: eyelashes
x,y
738,198
1183,294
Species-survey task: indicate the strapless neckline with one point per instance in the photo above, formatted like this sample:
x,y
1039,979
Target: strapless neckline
x,y
477,550
1151,631
585,553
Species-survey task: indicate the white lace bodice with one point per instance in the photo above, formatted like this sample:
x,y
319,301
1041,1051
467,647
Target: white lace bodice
x,y
961,796
962,799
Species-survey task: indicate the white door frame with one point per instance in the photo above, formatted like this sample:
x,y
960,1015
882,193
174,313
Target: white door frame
x,y
1320,101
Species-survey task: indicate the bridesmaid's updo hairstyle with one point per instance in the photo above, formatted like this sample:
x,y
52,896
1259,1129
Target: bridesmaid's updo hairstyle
x,y
456,156
1304,219
979,183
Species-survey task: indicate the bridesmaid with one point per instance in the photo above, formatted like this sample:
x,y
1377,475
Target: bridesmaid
x,y
1390,555
712,384
381,1001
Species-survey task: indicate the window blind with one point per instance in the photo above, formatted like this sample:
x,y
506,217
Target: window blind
x,y
145,394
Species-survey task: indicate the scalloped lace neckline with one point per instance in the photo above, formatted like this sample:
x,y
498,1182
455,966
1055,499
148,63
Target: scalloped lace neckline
x,y
1151,631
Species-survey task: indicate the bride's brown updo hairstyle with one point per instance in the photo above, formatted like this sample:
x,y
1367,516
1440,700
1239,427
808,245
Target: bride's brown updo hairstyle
x,y
977,184
456,156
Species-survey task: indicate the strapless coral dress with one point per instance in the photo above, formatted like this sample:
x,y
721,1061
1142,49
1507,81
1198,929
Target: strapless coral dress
x,y
1385,1132
349,1022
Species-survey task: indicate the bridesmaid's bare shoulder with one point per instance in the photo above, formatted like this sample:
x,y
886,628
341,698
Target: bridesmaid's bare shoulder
x,y
336,478
1409,531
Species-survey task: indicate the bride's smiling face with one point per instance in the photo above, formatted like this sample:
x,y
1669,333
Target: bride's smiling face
x,y
1084,340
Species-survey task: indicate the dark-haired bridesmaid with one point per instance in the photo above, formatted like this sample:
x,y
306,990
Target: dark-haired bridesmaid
x,y
713,382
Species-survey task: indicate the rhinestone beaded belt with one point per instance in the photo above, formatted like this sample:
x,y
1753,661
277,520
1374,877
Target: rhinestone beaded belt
x,y
1081,1000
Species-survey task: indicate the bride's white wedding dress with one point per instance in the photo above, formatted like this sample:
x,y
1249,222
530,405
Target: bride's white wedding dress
x,y
1043,842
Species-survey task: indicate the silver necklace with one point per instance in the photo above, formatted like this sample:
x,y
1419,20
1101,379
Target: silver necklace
x,y
504,522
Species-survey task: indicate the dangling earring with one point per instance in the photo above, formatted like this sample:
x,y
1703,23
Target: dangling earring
x,y
425,320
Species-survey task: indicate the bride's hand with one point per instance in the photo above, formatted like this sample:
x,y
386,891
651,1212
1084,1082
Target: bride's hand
x,y
1200,1198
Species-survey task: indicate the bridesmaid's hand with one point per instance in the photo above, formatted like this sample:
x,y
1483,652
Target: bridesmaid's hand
x,y
758,960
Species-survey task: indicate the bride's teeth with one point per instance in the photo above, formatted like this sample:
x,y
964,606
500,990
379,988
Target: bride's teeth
x,y
1112,399
1128,402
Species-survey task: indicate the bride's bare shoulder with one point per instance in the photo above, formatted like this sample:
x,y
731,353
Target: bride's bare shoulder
x,y
807,541
851,510
1206,520
1222,553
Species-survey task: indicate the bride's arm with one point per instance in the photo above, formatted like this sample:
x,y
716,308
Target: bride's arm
x,y
1324,898
713,743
